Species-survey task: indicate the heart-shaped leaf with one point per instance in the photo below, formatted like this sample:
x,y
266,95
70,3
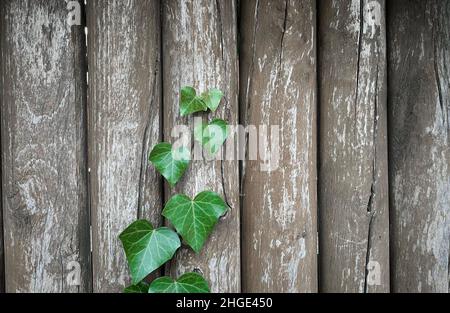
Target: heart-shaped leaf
x,y
195,219
147,248
211,136
212,98
187,283
141,287
190,102
169,162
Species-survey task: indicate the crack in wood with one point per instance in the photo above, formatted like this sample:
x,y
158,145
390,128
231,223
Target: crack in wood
x,y
438,83
247,96
358,64
219,21
370,209
145,147
280,60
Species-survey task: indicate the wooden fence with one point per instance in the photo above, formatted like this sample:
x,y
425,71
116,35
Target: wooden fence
x,y
360,89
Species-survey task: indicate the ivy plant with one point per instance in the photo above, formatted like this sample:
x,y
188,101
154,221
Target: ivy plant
x,y
169,162
187,283
190,102
141,287
148,248
211,136
195,219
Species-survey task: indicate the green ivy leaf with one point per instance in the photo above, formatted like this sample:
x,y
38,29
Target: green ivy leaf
x,y
172,164
147,248
211,136
141,287
195,219
190,102
187,283
212,98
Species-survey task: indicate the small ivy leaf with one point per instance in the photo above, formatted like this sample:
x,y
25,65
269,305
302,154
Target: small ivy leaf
x,y
212,98
211,136
141,287
187,283
195,219
170,163
147,248
190,102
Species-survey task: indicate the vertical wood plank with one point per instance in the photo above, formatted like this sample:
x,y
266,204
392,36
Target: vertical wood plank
x,y
278,87
124,123
43,140
353,171
2,255
200,49
419,106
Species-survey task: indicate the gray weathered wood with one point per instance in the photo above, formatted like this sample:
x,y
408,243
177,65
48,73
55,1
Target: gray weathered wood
x,y
2,257
353,171
200,49
43,148
124,124
278,87
419,106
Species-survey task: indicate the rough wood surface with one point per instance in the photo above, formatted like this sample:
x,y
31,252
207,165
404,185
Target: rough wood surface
x,y
124,124
200,49
44,165
419,106
2,255
353,171
278,87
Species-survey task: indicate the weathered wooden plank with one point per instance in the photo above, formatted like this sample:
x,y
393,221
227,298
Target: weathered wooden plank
x,y
200,49
353,171
2,257
419,106
278,87
43,97
124,124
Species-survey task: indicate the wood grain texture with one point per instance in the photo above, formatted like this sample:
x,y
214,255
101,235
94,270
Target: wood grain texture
x,y
124,124
2,255
200,50
43,99
353,170
278,87
419,106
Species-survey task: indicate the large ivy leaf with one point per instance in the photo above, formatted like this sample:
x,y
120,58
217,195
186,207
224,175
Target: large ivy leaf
x,y
141,287
195,219
187,283
212,98
172,164
211,136
147,248
190,102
